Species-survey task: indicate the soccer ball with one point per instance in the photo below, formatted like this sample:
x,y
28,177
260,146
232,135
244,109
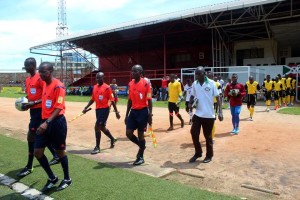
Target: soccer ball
x,y
20,103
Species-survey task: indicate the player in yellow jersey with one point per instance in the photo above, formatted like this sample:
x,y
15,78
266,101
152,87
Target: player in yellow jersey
x,y
251,87
293,91
216,105
282,98
288,83
175,96
268,87
278,88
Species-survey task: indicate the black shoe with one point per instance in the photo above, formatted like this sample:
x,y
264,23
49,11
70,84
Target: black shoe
x,y
139,161
64,184
96,150
54,161
50,183
24,172
113,143
182,123
206,160
194,158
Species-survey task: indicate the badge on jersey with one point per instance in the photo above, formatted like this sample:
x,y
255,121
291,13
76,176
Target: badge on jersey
x,y
60,99
48,103
33,91
141,96
100,97
207,89
148,95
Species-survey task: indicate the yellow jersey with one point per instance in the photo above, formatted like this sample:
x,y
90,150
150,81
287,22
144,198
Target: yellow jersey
x,y
268,85
175,91
283,81
288,82
293,83
218,86
277,86
252,87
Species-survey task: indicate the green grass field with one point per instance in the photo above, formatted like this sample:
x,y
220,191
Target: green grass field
x,y
93,180
290,111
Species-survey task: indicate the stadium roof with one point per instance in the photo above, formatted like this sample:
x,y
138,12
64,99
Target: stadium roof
x,y
173,16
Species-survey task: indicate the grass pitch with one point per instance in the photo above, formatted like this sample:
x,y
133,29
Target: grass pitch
x,y
290,111
92,180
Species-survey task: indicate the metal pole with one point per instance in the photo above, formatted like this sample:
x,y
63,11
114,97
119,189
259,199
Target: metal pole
x,y
212,47
61,64
165,61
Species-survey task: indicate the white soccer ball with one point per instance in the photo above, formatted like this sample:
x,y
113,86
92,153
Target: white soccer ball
x,y
20,102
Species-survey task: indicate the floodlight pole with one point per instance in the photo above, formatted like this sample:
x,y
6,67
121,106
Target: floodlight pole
x,y
165,60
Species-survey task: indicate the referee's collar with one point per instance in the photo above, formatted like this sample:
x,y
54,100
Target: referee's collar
x,y
206,80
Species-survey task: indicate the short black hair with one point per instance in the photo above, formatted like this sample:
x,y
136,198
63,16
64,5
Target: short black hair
x,y
30,62
49,65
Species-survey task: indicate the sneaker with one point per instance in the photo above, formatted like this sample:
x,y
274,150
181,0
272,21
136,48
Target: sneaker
x,y
182,123
190,122
54,161
96,150
194,158
113,143
64,184
24,172
170,128
50,184
251,118
206,160
233,131
139,161
237,130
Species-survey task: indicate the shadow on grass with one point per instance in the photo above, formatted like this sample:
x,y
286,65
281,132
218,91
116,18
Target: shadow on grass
x,y
113,165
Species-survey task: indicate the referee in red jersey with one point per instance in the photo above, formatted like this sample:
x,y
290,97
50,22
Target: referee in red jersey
x,y
139,111
53,129
102,94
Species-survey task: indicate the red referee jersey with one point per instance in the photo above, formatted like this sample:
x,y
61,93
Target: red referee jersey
x,y
53,97
139,94
34,88
102,94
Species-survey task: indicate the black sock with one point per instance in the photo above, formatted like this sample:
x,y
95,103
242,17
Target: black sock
x,y
108,134
65,166
44,163
30,155
98,138
52,150
171,121
142,145
134,139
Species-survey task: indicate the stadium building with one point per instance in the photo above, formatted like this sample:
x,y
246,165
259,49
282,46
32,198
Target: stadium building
x,y
256,33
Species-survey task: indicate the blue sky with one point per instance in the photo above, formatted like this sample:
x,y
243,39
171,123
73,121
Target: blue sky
x,y
26,23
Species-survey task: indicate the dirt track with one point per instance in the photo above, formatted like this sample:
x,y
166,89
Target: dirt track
x,y
265,154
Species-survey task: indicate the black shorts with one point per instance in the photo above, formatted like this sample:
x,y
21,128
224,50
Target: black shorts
x,y
288,91
35,119
102,115
55,134
137,119
268,95
251,100
293,92
173,107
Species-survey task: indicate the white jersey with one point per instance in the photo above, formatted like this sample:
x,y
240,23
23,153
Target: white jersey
x,y
188,90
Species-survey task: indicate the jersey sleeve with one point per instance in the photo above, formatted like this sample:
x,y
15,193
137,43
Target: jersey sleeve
x,y
215,90
59,97
93,95
149,94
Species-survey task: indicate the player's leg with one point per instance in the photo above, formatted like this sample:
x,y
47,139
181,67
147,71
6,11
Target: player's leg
x,y
59,135
41,142
176,109
102,126
195,133
208,125
232,111
237,112
276,98
171,109
288,96
131,125
293,94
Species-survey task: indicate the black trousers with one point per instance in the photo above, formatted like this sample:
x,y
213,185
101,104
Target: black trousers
x,y
207,126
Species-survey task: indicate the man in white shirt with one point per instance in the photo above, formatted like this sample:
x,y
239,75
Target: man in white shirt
x,y
204,90
187,93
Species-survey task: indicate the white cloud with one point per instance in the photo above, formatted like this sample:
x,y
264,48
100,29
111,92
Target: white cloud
x,y
16,37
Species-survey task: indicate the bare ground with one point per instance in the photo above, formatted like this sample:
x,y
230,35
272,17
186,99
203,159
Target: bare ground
x,y
265,154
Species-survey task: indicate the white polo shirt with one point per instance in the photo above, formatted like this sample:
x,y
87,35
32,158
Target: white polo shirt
x,y
205,95
188,90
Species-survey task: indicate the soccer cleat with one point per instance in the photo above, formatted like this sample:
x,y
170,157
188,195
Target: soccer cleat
x,y
95,151
64,184
54,161
113,143
139,161
206,160
24,172
194,158
50,184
